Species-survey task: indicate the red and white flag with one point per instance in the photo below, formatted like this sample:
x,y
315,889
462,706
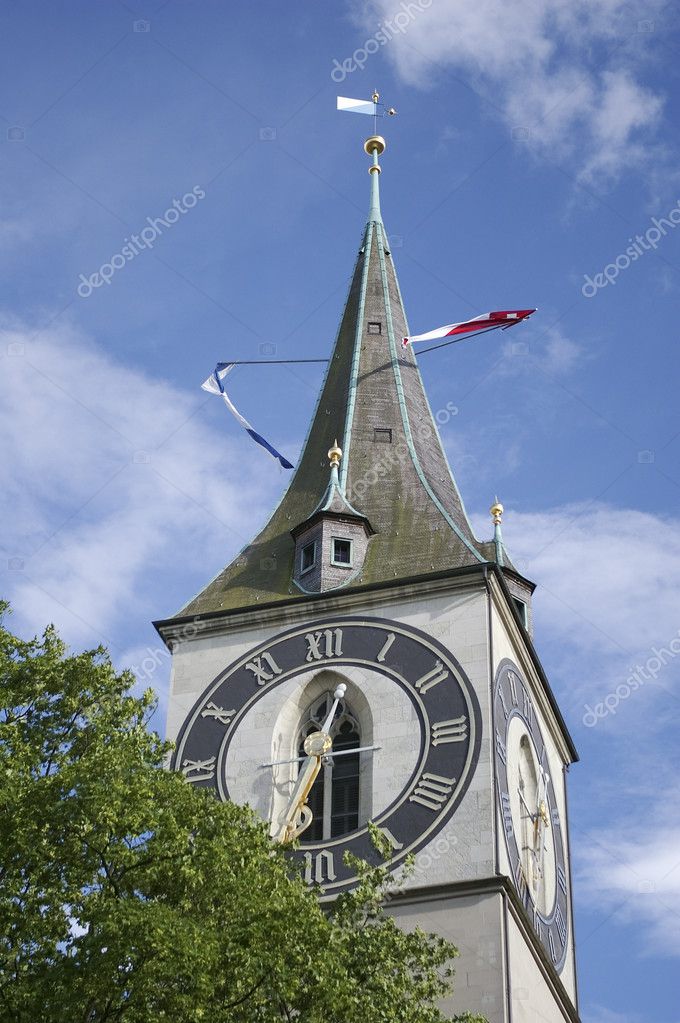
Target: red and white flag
x,y
502,318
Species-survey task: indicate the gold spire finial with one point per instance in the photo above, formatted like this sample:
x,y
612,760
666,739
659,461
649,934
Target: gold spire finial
x,y
496,511
376,143
334,455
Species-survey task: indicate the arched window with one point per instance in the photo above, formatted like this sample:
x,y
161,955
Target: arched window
x,y
334,799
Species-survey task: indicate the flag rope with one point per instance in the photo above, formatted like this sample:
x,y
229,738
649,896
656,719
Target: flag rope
x,y
465,337
270,362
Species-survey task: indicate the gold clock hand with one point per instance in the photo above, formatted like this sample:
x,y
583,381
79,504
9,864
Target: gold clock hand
x,y
298,815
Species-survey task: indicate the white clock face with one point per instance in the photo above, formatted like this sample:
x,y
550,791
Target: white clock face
x,y
535,838
529,812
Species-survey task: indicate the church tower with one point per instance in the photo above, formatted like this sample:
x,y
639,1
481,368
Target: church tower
x,y
366,658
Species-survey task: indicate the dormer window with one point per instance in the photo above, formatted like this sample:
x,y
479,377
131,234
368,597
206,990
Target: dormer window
x,y
522,611
308,557
341,552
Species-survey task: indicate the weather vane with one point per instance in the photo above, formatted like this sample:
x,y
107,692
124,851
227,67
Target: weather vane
x,y
373,107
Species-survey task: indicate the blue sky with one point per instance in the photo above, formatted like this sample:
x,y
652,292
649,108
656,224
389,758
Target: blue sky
x,y
533,145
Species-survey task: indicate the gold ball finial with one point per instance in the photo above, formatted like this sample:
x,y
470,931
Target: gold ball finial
x,y
375,143
335,454
496,511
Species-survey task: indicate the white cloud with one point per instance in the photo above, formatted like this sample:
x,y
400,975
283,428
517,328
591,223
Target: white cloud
x,y
608,594
638,878
545,350
607,601
610,575
117,486
560,69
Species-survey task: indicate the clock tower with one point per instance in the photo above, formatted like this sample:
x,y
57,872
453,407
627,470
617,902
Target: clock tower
x,y
367,658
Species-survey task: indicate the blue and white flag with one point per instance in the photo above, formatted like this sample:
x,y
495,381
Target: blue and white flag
x,y
215,386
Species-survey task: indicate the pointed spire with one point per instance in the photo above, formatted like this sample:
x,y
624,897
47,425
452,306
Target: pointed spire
x,y
334,498
391,478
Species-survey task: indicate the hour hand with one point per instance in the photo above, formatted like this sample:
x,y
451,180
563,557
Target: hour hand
x,y
298,816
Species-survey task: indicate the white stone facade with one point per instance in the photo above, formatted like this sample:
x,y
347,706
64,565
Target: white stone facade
x,y
456,888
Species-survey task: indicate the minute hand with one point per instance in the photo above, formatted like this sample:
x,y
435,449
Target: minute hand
x,y
331,753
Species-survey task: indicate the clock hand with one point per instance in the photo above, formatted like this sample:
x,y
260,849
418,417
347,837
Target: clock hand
x,y
336,753
540,818
298,815
337,696
528,808
541,822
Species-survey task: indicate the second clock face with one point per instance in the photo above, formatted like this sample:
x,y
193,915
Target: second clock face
x,y
444,730
529,812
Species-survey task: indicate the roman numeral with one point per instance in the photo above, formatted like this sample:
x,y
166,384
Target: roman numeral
x,y
513,680
500,748
199,770
319,867
551,943
506,813
453,730
432,791
383,652
320,645
501,697
394,844
211,710
561,925
562,879
264,674
527,709
521,884
431,678
537,923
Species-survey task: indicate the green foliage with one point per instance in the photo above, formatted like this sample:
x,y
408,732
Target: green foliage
x,y
128,895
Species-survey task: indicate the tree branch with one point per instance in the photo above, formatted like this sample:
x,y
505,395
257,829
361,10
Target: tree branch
x,y
248,994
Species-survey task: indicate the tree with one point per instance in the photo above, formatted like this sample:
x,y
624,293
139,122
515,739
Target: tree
x,y
128,895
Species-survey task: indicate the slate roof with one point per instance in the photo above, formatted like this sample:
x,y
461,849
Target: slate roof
x,y
404,487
